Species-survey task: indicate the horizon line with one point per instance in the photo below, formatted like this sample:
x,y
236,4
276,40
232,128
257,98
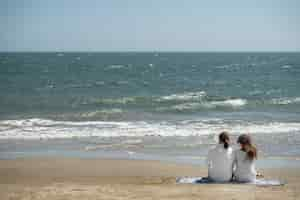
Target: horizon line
x,y
149,51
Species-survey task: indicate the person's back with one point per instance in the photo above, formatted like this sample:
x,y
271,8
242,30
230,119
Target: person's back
x,y
244,160
244,167
220,160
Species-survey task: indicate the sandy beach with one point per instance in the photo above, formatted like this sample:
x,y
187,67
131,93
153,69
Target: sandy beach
x,y
58,178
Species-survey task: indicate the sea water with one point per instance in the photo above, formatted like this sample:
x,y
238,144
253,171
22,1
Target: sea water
x,y
154,105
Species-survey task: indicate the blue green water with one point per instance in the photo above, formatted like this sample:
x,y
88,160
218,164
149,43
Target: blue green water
x,y
51,84
86,95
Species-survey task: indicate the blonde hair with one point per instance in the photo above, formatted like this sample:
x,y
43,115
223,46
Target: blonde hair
x,y
248,147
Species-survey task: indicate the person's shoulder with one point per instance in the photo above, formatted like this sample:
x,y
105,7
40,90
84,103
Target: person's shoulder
x,y
213,149
239,153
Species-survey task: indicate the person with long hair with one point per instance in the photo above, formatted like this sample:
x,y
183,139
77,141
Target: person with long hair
x,y
244,160
220,160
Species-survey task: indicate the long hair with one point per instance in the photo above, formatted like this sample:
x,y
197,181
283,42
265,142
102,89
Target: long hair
x,y
224,138
247,146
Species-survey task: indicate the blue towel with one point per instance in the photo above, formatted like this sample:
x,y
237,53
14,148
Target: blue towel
x,y
205,180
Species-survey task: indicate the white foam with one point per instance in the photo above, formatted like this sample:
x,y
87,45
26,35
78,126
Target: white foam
x,y
255,92
115,67
286,66
230,103
131,152
227,66
187,106
99,83
223,66
45,129
286,101
101,113
123,100
134,141
183,96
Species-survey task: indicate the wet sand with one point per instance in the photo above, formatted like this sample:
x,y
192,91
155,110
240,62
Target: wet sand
x,y
58,178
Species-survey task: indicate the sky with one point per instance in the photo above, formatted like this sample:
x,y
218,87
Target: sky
x,y
149,25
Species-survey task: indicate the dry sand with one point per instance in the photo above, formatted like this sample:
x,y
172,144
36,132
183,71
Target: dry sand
x,y
58,178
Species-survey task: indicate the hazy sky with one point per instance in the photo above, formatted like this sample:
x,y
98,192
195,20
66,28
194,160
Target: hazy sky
x,y
149,25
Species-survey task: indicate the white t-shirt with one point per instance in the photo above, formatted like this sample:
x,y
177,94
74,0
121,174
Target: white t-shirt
x,y
244,168
220,162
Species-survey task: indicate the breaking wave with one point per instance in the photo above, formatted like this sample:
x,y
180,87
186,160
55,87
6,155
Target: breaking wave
x,y
193,101
286,101
187,96
37,128
187,99
230,103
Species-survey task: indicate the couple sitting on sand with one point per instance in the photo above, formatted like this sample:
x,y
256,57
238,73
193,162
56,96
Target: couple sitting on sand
x,y
225,164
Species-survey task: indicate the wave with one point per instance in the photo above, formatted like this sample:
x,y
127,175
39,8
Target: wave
x,y
86,85
183,97
286,101
228,66
185,101
101,113
111,67
286,66
104,114
187,96
37,128
181,107
234,103
230,103
113,101
194,101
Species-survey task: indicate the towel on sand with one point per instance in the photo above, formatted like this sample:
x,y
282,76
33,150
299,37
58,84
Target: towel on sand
x,y
205,180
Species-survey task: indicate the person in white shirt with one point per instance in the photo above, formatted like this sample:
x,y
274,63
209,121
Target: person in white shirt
x,y
244,160
220,160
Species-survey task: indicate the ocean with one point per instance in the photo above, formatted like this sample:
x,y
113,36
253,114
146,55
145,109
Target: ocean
x,y
151,105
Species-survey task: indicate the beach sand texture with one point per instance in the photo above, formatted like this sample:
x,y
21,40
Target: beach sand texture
x,y
58,178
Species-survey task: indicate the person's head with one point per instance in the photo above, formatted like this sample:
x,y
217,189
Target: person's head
x,y
247,146
224,139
